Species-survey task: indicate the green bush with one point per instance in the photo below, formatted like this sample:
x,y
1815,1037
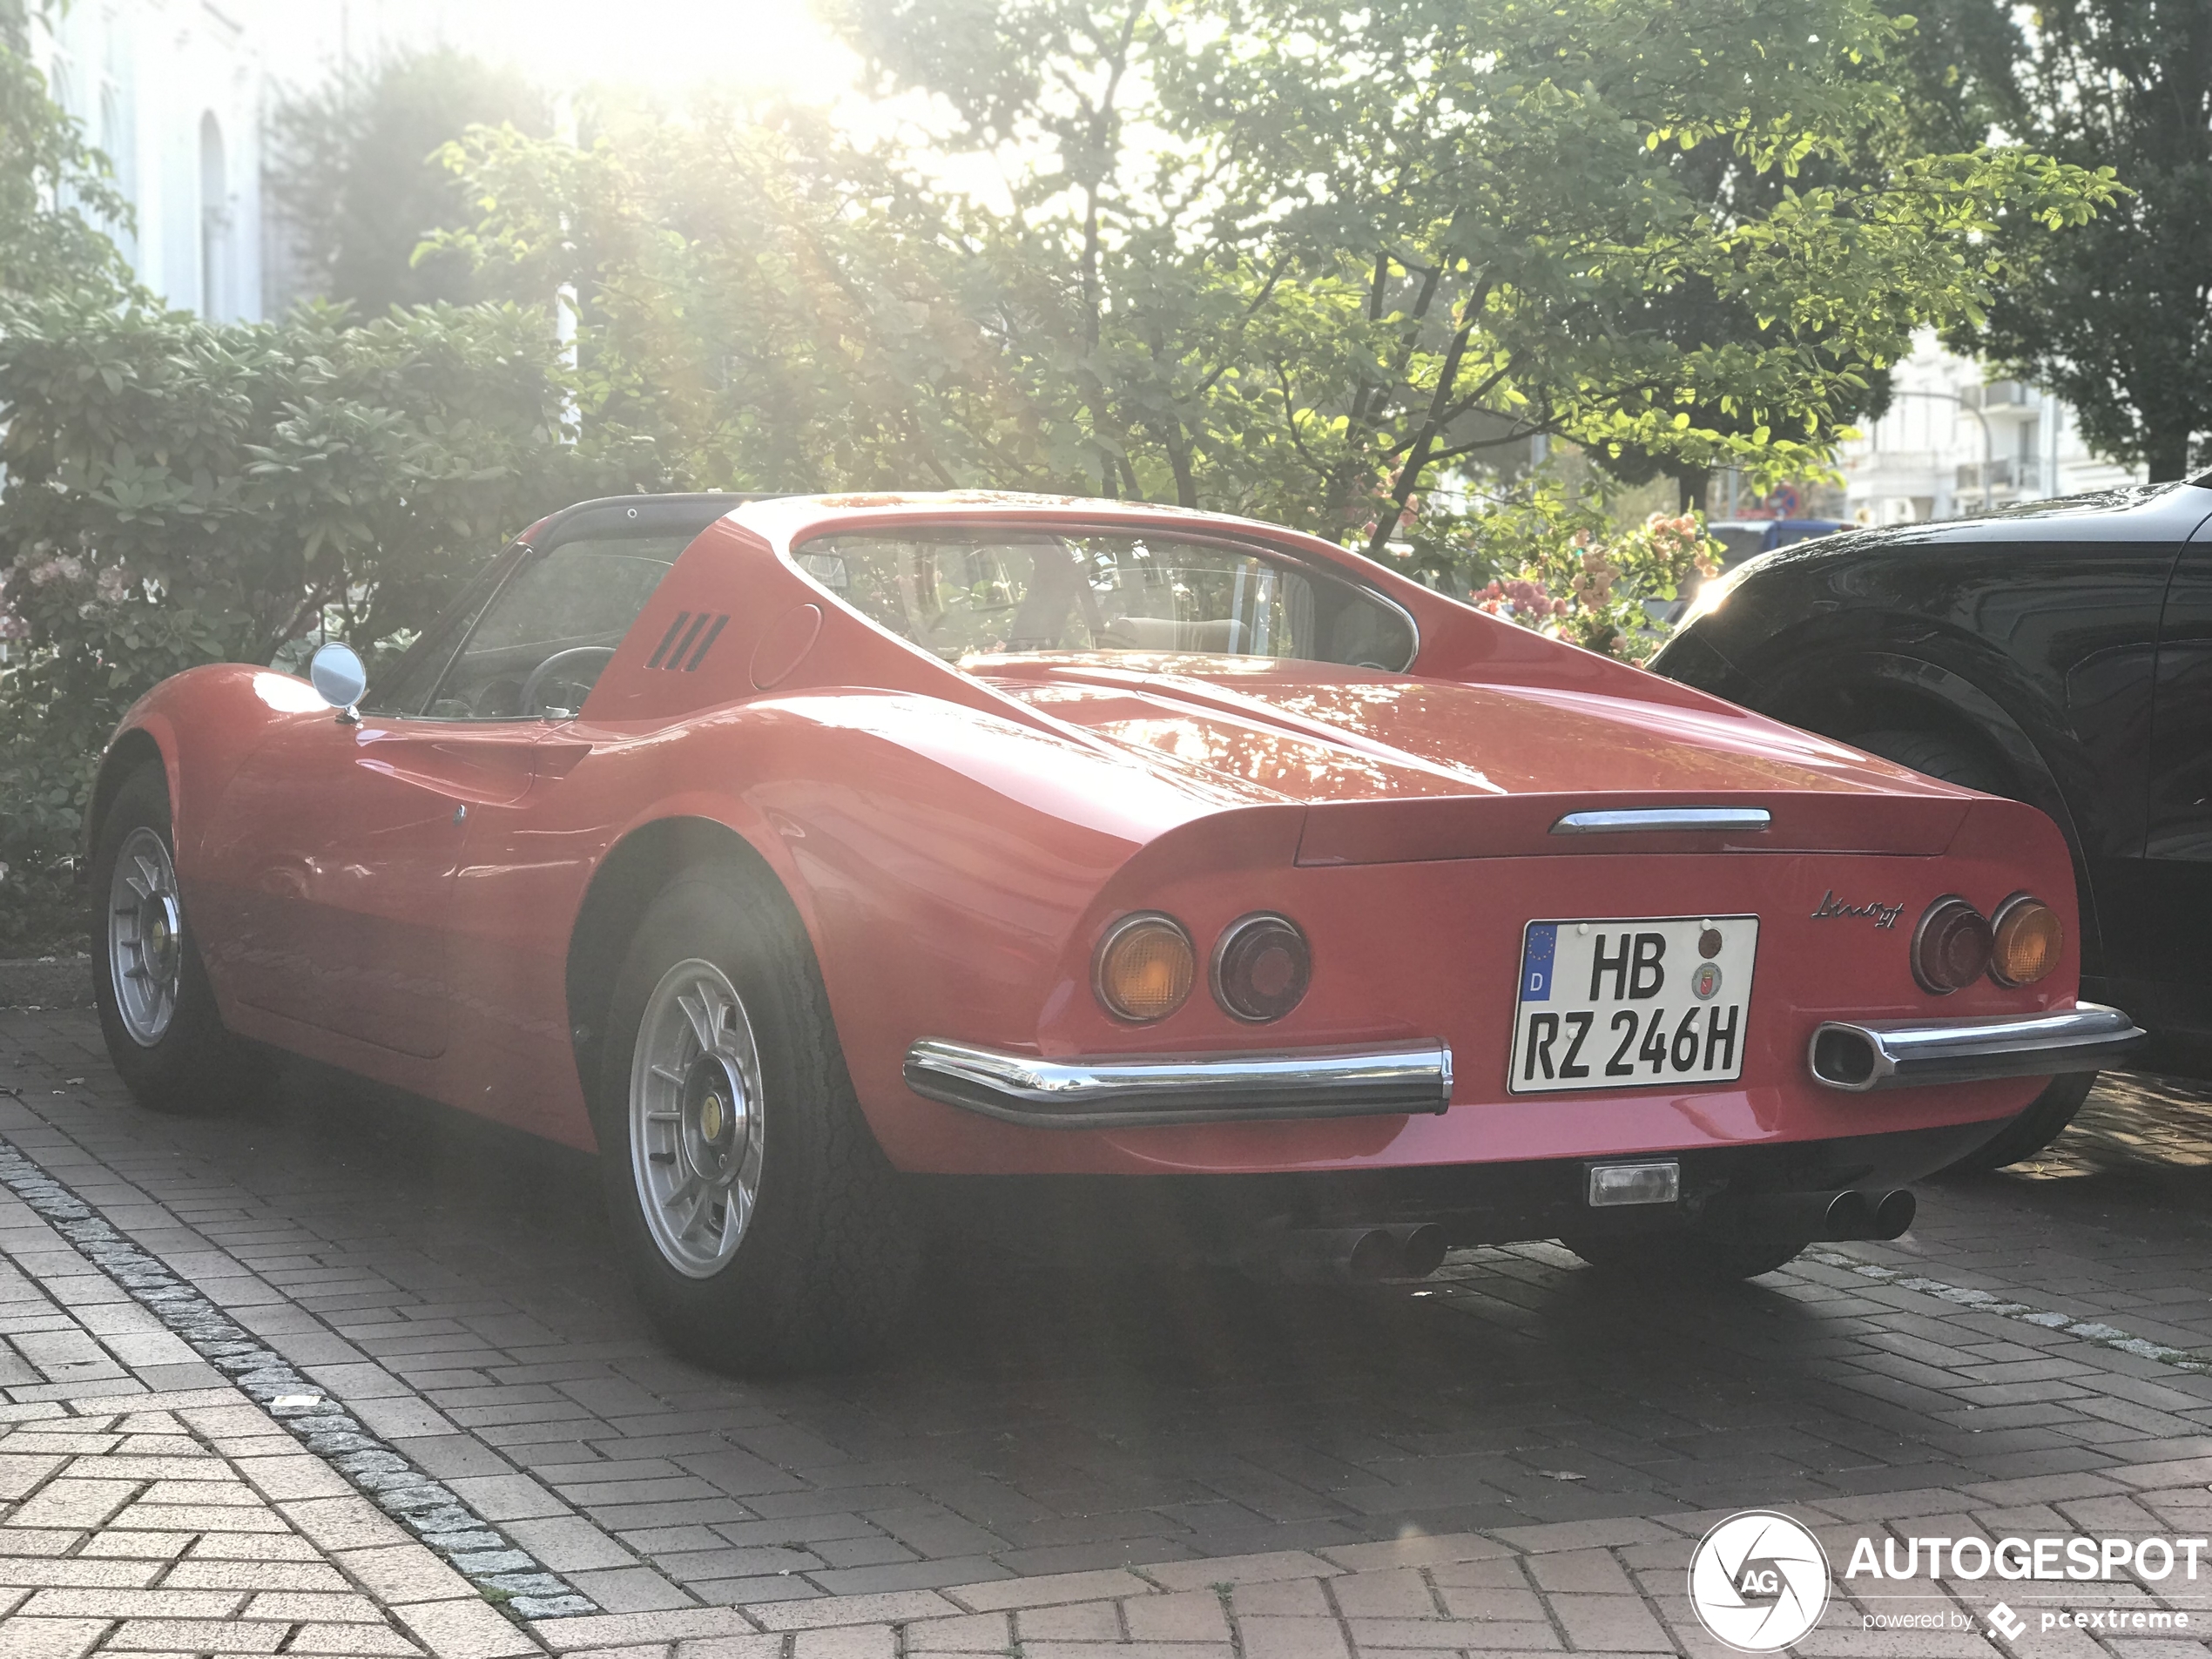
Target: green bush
x,y
180,493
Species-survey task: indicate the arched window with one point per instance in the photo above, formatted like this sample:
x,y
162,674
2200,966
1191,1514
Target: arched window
x,y
117,141
214,222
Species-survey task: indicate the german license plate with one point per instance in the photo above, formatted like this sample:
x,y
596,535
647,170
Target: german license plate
x,y
1636,1003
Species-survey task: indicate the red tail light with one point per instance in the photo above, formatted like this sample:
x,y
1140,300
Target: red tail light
x,y
1951,946
1260,968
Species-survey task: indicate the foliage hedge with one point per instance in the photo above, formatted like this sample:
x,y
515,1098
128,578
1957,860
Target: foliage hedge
x,y
180,493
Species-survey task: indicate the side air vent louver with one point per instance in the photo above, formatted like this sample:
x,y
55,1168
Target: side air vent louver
x,y
685,644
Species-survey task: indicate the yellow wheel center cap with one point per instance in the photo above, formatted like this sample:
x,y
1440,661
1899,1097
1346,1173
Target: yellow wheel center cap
x,y
711,1117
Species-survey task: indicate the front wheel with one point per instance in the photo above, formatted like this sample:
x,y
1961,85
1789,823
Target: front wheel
x,y
165,1033
761,1225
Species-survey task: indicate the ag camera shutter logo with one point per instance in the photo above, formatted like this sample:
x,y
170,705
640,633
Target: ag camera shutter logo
x,y
1760,1582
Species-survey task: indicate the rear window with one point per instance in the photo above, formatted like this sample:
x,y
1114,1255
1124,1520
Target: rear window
x,y
967,597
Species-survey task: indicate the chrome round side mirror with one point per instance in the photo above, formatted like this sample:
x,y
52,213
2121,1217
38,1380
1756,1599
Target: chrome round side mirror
x,y
336,672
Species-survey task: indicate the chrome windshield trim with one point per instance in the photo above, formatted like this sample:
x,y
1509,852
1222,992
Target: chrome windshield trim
x,y
1650,820
1857,1056
1360,1082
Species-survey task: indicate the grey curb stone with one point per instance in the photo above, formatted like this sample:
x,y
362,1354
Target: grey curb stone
x,y
432,1511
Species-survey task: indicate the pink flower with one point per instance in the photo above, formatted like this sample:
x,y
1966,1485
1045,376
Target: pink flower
x,y
64,568
1529,599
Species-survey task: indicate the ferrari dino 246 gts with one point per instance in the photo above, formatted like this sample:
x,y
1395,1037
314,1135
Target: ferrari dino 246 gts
x,y
785,850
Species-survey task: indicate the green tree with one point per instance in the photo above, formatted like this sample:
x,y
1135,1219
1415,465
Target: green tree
x,y
1312,259
1142,320
1286,259
770,307
356,173
54,189
2117,318
1498,172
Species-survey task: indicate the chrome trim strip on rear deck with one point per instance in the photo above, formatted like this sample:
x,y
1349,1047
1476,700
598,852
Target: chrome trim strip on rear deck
x,y
1196,1088
1857,1056
1648,819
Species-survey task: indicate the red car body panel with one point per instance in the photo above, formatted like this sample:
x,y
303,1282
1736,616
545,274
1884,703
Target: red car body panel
x,y
399,897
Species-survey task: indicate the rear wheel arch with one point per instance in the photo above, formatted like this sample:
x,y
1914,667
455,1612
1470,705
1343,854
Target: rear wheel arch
x,y
634,873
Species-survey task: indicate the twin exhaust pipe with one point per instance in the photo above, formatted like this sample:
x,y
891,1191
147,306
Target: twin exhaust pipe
x,y
1837,1216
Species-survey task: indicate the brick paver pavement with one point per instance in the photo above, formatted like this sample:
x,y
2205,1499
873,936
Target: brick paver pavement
x,y
139,1518
188,1522
1071,1448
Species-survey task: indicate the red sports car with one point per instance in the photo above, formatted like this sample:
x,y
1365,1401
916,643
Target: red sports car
x,y
775,847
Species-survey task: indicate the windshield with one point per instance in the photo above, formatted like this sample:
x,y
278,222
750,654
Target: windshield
x,y
965,596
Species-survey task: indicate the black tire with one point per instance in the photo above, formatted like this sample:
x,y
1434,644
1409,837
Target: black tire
x,y
1937,754
822,1268
1719,1255
195,1066
2043,1121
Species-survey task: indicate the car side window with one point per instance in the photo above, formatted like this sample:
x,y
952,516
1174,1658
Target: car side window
x,y
404,687
539,646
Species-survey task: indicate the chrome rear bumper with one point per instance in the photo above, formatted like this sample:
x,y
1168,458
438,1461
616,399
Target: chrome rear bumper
x,y
1859,1056
1195,1088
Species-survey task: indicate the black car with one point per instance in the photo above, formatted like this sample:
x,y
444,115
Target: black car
x,y
2058,653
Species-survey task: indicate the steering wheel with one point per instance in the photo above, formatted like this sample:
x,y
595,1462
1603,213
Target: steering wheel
x,y
549,670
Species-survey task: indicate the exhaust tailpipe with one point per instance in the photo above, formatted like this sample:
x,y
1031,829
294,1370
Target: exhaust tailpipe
x,y
1420,1249
1893,1213
1359,1255
1323,1255
1849,1214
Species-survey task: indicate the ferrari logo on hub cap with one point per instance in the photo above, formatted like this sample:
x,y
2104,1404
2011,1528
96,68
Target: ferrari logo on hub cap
x,y
711,1117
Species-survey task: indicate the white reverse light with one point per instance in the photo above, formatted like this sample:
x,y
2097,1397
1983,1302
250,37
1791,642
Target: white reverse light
x,y
1619,1184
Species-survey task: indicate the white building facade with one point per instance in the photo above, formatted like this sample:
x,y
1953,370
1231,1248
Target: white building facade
x,y
1955,441
177,93
174,91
